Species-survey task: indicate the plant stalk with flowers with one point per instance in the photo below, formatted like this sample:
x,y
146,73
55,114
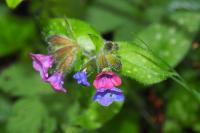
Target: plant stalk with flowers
x,y
61,58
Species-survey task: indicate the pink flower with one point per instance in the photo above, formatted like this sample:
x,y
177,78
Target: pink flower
x,y
42,63
107,79
57,81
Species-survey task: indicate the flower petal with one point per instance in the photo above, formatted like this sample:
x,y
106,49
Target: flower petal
x,y
107,79
57,81
105,97
116,80
81,78
42,63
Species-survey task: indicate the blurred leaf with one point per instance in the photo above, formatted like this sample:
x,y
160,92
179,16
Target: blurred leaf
x,y
183,18
27,116
196,126
13,3
10,39
77,111
96,115
89,114
107,15
192,5
49,124
72,129
81,32
5,108
129,127
19,79
126,121
182,107
127,31
110,21
155,13
172,127
140,64
166,42
58,8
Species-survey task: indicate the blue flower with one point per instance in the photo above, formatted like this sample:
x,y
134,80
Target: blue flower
x,y
81,78
105,97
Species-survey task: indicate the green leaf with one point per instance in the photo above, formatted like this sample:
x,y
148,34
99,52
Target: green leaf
x,y
129,126
13,3
26,117
140,64
190,5
114,14
127,31
20,80
10,39
183,18
5,109
182,107
171,126
49,125
80,30
84,113
58,8
72,129
110,21
168,43
96,115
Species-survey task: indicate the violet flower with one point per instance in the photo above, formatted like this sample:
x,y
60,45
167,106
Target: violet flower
x,y
57,81
81,78
107,79
105,97
42,63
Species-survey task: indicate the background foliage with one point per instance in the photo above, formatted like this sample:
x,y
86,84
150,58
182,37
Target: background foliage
x,y
154,38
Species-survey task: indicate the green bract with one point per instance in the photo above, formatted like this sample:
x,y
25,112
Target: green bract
x,y
77,30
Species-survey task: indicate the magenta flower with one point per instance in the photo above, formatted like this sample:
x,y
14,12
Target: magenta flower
x,y
57,81
42,63
107,79
81,78
105,97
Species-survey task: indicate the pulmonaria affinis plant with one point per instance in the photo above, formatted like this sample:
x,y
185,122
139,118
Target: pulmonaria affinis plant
x,y
61,58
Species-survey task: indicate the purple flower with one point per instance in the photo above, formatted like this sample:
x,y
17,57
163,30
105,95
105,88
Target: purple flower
x,y
57,81
81,78
105,97
42,63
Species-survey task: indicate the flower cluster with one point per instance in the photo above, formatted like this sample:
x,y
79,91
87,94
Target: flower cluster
x,y
52,68
105,82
